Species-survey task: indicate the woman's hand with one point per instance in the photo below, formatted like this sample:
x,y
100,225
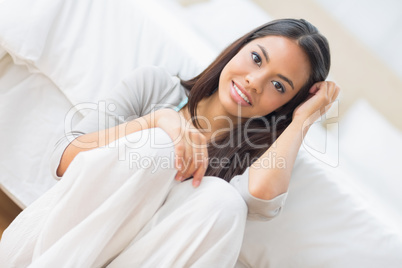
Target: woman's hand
x,y
321,97
191,154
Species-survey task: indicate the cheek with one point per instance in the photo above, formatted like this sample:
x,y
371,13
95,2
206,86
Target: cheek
x,y
225,74
270,103
271,100
244,62
237,63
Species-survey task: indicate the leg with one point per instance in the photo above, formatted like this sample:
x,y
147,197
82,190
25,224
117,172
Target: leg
x,y
200,227
92,207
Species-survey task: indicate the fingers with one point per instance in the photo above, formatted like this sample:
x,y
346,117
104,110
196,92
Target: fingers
x,y
332,92
313,90
190,146
321,96
327,90
336,93
200,159
192,156
179,160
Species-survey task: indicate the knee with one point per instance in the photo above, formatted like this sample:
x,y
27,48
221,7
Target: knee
x,y
149,148
223,198
148,142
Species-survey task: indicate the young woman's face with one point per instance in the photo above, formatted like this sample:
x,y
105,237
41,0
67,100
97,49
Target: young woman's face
x,y
263,76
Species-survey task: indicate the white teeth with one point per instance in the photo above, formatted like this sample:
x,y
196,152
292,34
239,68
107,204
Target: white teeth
x,y
241,94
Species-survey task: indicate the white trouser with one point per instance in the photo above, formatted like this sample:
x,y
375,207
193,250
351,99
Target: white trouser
x,y
128,213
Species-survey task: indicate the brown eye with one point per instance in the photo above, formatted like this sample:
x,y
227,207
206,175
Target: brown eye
x,y
278,86
256,58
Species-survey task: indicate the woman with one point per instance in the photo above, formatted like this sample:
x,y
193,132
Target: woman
x,y
252,104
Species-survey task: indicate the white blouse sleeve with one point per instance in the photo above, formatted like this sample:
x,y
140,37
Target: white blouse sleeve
x,y
258,209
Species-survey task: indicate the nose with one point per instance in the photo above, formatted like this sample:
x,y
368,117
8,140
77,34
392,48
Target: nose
x,y
252,83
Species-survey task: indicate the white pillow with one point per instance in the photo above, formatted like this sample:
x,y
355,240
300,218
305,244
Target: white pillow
x,y
220,28
324,223
370,149
86,47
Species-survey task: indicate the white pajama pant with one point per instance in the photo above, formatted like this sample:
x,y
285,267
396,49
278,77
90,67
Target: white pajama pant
x,y
128,213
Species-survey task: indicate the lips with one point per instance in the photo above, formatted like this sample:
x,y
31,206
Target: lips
x,y
242,93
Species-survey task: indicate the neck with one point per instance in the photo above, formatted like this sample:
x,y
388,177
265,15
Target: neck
x,y
210,115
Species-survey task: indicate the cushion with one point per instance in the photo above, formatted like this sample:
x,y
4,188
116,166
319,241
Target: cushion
x,y
86,47
343,205
325,223
370,149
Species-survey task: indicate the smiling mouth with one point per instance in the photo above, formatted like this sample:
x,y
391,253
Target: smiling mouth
x,y
241,94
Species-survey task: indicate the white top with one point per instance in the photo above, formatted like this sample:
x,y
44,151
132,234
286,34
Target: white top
x,y
147,89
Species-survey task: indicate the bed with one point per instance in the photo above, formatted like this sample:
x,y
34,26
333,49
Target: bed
x,y
344,208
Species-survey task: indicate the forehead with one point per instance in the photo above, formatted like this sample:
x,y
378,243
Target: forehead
x,y
286,57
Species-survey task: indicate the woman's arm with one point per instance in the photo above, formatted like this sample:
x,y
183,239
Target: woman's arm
x,y
103,137
190,144
269,182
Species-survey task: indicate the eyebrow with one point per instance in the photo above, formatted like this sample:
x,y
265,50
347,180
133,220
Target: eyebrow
x,y
264,51
287,80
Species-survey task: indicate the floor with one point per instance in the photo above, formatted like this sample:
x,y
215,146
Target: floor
x,y
8,211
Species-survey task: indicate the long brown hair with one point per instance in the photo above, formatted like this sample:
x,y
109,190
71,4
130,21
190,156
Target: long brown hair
x,y
250,148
